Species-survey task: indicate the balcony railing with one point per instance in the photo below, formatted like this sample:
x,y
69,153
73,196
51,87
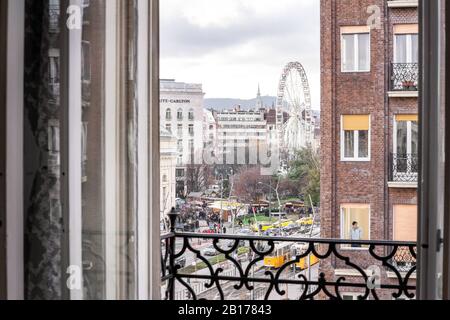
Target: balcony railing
x,y
404,76
308,268
404,168
54,16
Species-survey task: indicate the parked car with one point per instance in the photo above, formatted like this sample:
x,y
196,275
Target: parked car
x,y
232,242
181,261
291,228
189,227
210,251
179,202
245,231
179,227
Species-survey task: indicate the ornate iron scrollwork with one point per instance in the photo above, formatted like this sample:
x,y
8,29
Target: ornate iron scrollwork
x,y
395,261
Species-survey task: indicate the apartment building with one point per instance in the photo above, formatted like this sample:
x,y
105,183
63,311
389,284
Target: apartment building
x,y
239,134
209,132
181,110
167,163
369,121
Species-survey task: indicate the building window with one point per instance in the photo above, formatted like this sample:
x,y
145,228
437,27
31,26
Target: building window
x,y
180,173
405,66
164,194
180,145
168,114
169,127
180,130
355,48
180,114
355,223
191,129
355,138
406,145
164,179
191,115
406,43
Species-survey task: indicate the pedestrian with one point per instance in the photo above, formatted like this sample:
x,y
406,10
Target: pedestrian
x,y
355,234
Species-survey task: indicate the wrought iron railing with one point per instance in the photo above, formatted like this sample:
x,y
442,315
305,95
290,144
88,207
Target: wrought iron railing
x,y
404,167
404,76
54,16
311,268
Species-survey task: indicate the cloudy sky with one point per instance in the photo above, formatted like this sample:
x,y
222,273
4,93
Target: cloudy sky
x,y
232,45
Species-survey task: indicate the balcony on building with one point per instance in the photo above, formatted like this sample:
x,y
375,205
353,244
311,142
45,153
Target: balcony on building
x,y
54,13
404,170
404,79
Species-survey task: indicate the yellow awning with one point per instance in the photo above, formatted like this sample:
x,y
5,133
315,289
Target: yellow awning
x,y
356,122
407,117
355,29
406,29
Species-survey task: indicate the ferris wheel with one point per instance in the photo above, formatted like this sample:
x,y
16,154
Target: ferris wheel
x,y
294,116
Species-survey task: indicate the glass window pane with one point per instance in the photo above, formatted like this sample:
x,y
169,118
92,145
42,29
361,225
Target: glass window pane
x,y
400,49
414,138
349,144
414,162
415,48
402,138
43,215
402,146
363,144
348,52
355,222
363,51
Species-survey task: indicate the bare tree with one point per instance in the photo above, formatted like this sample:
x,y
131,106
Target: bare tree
x,y
198,177
247,185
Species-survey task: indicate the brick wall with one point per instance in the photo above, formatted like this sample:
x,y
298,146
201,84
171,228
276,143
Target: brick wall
x,y
359,93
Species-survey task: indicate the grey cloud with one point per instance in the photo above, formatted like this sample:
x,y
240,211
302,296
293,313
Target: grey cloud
x,y
179,37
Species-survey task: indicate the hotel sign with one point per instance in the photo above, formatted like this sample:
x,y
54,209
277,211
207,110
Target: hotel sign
x,y
175,101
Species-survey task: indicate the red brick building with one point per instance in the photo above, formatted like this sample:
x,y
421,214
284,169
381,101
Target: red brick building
x,y
369,121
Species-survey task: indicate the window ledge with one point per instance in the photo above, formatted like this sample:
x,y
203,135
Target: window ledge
x,y
403,4
345,248
391,274
349,273
403,185
355,160
403,94
354,273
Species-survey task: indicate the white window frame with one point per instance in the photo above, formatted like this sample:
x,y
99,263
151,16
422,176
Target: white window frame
x,y
408,143
356,157
341,224
409,53
14,150
356,52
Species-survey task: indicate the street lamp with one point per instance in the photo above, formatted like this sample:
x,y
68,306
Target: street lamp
x,y
279,202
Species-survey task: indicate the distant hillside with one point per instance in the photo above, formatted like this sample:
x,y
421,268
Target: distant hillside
x,y
226,103
219,104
